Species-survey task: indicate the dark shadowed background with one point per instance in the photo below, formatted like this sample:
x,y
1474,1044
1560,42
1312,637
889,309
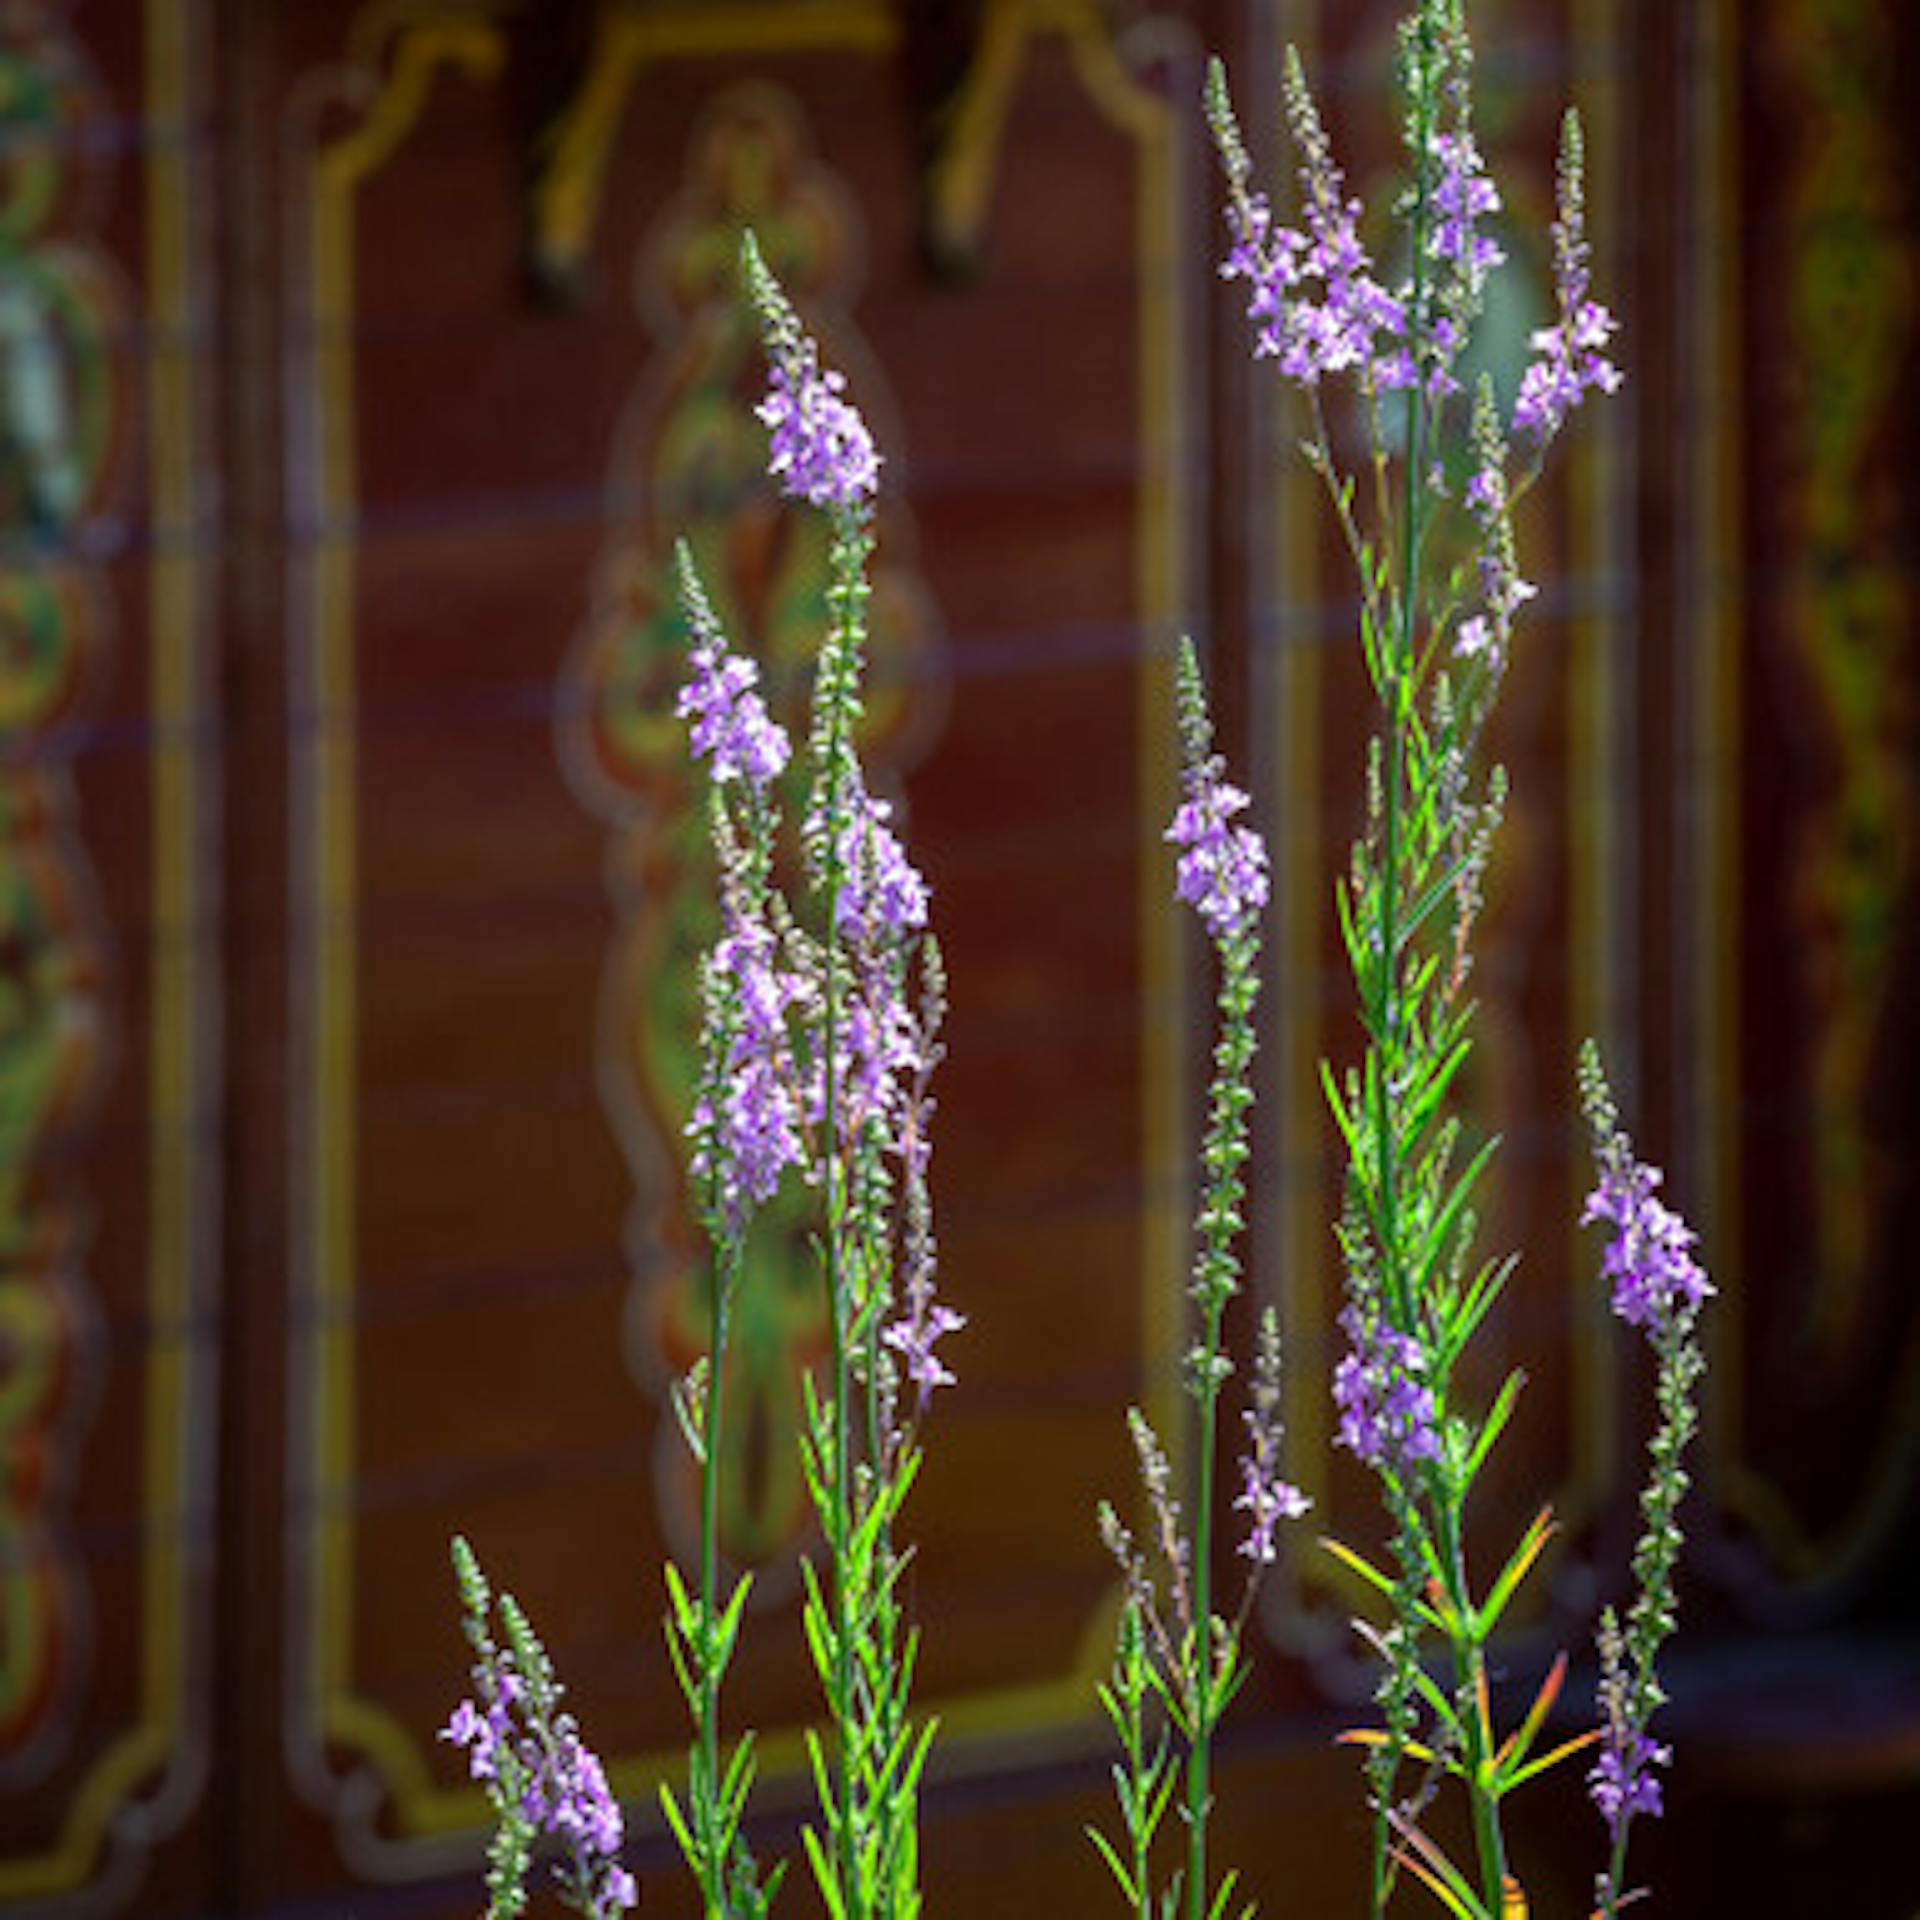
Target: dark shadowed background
x,y
358,366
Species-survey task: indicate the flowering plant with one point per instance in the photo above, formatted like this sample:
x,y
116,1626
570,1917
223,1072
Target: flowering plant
x,y
823,1000
1440,589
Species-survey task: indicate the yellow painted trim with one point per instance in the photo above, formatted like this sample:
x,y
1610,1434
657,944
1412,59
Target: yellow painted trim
x,y
425,39
423,48
155,1744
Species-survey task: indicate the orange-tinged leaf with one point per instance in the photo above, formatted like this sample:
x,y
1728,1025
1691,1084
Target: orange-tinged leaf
x,y
1523,1736
1431,1867
1435,1886
1553,1759
1373,1737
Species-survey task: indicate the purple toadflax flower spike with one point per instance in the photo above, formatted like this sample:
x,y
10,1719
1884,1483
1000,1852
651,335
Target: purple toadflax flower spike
x,y
526,1749
1659,1288
1265,1497
753,1135
1572,361
1463,195
821,450
1312,295
730,724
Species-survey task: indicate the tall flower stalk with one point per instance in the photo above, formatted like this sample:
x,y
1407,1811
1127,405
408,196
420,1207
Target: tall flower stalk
x,y
1660,1289
858,1012
746,1127
1439,589
1171,1642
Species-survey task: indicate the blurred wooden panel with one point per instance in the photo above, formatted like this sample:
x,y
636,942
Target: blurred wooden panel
x,y
108,1112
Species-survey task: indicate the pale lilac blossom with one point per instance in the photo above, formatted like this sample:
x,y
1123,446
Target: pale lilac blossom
x,y
1571,357
752,1136
1650,1258
881,890
820,449
1268,1500
1622,1781
731,727
875,1061
1312,295
1265,1497
912,1337
1387,1413
1463,196
562,1787
1222,872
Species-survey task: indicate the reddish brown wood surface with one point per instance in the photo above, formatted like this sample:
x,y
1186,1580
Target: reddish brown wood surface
x,y
363,832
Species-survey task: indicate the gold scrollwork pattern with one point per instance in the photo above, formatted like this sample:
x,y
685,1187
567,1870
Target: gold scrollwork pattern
x,y
60,396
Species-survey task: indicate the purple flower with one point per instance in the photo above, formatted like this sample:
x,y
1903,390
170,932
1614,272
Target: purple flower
x,y
882,890
1650,1259
912,1337
820,450
1486,496
1387,1413
1571,360
731,725
477,1732
1222,872
1503,589
1463,196
1570,365
753,1135
563,1787
876,1059
1268,1499
1622,1781
582,1811
1312,296
1264,1494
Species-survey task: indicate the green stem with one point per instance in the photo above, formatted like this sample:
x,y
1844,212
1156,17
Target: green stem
x,y
1199,1751
840,1849
1397,695
1469,1671
1142,1833
1225,1155
719,1309
1616,1871
844,1521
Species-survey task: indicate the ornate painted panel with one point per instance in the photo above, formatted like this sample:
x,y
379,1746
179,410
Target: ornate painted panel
x,y
108,963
